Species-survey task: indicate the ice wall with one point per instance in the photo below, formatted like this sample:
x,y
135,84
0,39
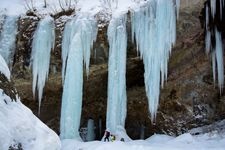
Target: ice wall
x,y
117,98
8,39
79,35
154,30
43,43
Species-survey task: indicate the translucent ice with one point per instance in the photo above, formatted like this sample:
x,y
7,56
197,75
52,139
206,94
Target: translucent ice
x,y
117,98
8,39
79,35
43,42
154,30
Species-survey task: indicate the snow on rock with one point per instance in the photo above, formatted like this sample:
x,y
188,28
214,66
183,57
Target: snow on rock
x,y
43,42
19,125
4,68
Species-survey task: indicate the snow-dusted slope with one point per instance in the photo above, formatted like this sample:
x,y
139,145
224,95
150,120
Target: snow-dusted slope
x,y
19,125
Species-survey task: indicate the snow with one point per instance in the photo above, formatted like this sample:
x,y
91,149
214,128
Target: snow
x,y
43,42
156,142
4,68
19,125
117,97
8,39
83,32
13,7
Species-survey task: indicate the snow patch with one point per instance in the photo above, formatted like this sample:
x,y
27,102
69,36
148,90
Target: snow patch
x,y
19,125
4,68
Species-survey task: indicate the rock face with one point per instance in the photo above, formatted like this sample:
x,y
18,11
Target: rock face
x,y
188,99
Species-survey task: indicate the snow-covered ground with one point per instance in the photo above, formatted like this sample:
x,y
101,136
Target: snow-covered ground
x,y
210,137
19,125
208,141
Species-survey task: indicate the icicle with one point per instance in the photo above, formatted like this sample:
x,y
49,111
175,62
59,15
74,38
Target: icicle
x,y
214,67
221,9
117,99
219,60
213,7
217,50
178,7
43,42
208,33
83,32
65,46
154,29
8,39
91,130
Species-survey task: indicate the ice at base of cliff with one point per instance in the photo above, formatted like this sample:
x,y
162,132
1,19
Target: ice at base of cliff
x,y
19,125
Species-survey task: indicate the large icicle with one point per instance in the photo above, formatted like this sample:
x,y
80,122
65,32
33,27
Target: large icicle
x,y
219,60
80,33
154,30
8,39
117,98
43,42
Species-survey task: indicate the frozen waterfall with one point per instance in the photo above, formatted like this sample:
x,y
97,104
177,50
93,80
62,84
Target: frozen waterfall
x,y
154,30
8,39
117,97
214,11
43,42
79,35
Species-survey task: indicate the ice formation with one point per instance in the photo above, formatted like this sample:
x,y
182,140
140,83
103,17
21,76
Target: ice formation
x,y
154,30
43,43
19,125
79,34
91,130
4,68
117,98
214,11
8,39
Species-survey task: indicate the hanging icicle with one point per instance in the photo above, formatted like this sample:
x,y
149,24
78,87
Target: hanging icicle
x,y
154,30
214,27
79,35
43,42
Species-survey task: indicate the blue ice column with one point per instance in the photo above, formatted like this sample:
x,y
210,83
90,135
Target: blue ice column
x,y
79,34
117,98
